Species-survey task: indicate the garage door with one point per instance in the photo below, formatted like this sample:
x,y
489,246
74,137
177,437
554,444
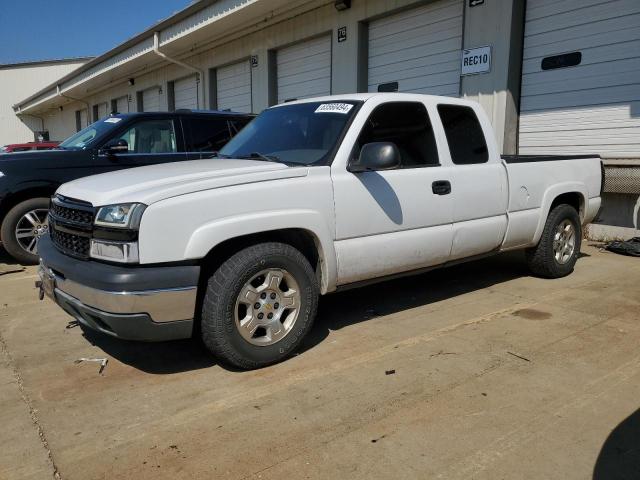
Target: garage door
x,y
417,50
151,100
304,69
82,119
102,110
233,84
122,104
185,93
581,78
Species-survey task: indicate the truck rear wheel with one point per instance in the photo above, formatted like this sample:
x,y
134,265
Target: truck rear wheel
x,y
21,228
259,305
557,252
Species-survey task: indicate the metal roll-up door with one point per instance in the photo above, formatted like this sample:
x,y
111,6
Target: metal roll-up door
x,y
304,69
151,100
417,50
233,87
84,118
102,110
122,104
581,78
185,93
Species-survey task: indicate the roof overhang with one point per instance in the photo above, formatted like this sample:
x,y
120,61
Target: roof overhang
x,y
184,34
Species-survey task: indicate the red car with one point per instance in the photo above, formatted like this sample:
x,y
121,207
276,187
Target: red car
x,y
23,147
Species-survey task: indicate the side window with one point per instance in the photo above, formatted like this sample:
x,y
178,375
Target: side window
x,y
464,135
207,134
407,125
151,136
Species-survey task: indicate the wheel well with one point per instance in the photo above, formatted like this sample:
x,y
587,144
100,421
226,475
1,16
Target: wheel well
x,y
13,199
571,198
303,240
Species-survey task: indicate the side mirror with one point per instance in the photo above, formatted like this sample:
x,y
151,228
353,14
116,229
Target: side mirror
x,y
376,156
114,147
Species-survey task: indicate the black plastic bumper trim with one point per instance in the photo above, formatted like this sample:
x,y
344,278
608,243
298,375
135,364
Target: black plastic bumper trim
x,y
115,278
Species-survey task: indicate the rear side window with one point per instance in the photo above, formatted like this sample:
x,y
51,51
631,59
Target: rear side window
x,y
464,135
407,125
207,134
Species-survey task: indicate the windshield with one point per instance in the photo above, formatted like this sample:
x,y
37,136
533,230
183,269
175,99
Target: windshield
x,y
304,133
86,135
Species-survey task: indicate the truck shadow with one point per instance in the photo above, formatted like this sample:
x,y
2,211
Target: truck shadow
x,y
160,358
350,307
619,457
336,311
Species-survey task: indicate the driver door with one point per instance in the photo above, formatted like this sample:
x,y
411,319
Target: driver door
x,y
150,141
397,220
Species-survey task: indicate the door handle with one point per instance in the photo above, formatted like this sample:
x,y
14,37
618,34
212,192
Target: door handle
x,y
441,187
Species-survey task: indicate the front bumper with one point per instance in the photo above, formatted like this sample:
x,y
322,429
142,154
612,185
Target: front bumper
x,y
132,303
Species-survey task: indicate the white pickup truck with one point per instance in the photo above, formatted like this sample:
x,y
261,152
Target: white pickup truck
x,y
312,196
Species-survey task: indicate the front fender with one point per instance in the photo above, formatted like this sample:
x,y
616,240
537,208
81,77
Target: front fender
x,y
211,234
554,192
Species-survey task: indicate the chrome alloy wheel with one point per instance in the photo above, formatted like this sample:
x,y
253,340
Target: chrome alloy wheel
x,y
267,307
564,242
30,227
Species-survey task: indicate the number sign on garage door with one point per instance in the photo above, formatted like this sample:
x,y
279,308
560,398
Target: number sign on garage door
x,y
185,93
417,50
233,84
151,100
304,69
581,78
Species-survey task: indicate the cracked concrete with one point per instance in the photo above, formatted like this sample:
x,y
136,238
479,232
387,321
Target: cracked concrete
x,y
496,375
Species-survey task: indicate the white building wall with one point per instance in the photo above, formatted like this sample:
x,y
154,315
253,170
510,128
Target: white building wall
x,y
18,82
486,24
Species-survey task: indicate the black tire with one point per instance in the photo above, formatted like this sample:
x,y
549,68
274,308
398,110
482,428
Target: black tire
x,y
541,258
218,325
8,229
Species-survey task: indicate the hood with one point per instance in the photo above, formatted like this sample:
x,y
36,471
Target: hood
x,y
153,183
34,155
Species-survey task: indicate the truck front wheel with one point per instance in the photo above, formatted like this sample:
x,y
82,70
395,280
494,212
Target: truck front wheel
x,y
557,252
259,305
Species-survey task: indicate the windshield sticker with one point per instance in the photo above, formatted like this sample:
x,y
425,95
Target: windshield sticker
x,y
112,120
334,108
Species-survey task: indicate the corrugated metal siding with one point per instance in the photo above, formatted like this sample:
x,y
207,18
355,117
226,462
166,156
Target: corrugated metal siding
x,y
419,49
185,93
234,87
103,110
593,107
151,100
304,69
122,104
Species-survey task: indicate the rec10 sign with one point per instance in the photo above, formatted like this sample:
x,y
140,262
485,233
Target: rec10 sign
x,y
476,60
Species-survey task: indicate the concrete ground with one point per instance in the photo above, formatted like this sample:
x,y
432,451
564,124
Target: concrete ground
x,y
479,371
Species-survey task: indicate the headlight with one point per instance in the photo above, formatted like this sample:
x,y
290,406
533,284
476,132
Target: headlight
x,y
126,215
114,251
117,246
1,174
